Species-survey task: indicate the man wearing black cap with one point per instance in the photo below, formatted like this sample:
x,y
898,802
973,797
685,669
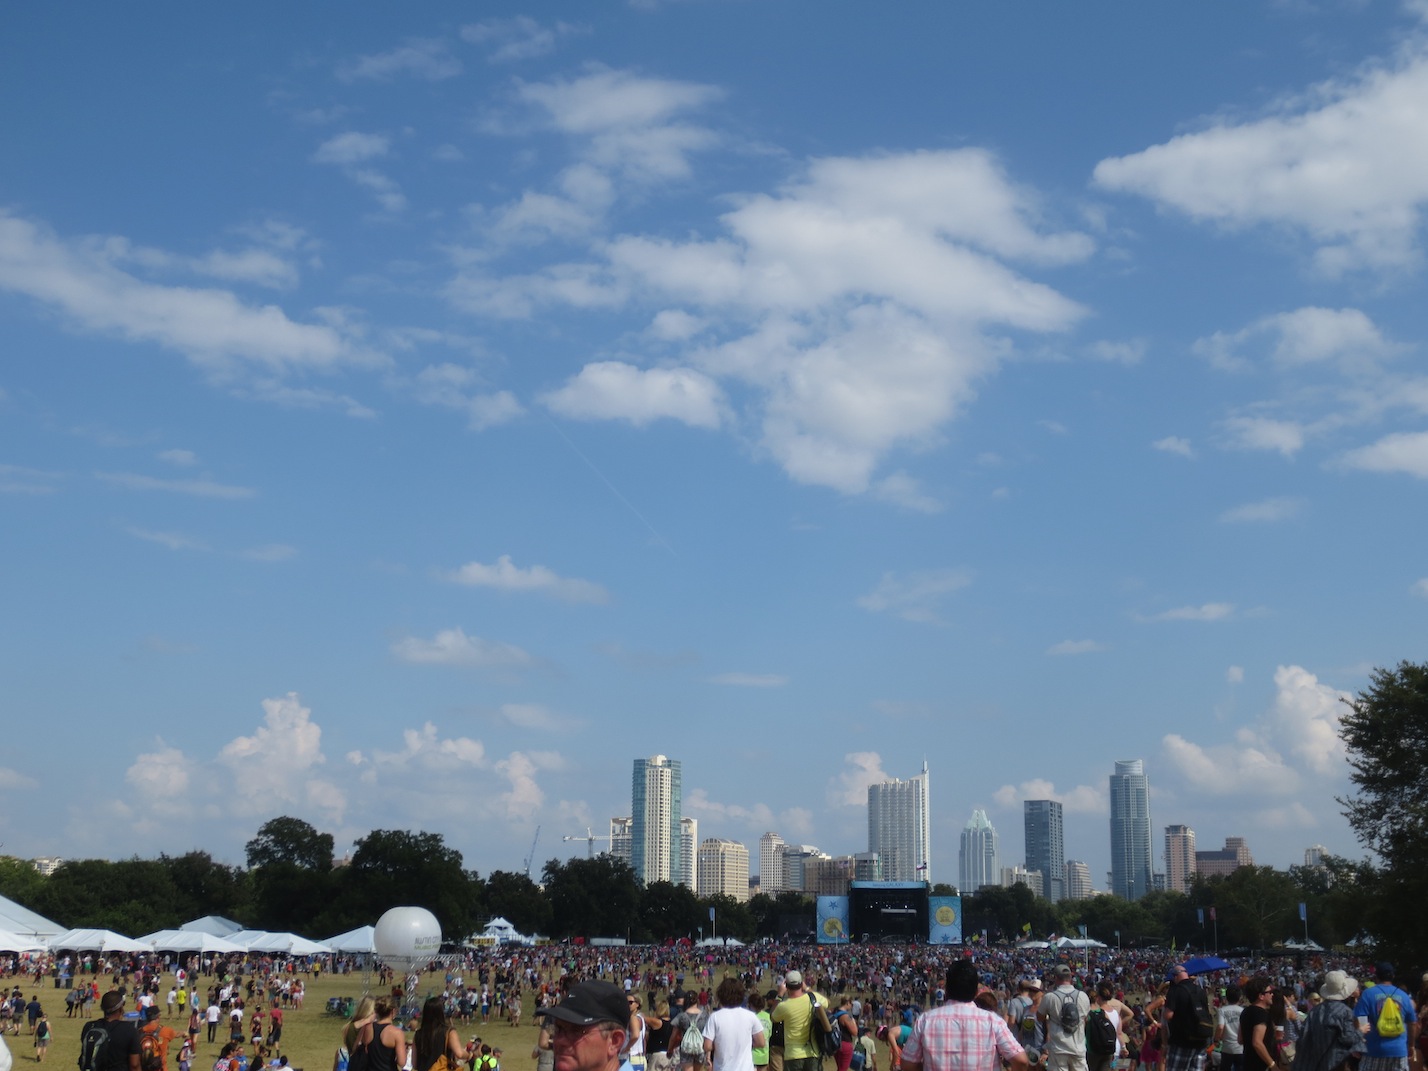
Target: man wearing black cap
x,y
589,1028
110,1043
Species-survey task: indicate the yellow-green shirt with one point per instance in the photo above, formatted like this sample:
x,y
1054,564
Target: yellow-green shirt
x,y
795,1015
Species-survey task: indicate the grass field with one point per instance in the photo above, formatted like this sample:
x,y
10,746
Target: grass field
x,y
310,1036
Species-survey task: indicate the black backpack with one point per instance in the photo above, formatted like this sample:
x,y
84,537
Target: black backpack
x,y
1100,1033
1203,1029
1070,1012
92,1041
825,1042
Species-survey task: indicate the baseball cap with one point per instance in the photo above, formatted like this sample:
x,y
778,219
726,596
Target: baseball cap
x,y
793,978
591,1002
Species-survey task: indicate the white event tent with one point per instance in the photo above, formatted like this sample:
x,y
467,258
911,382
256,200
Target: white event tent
x,y
289,943
189,941
88,940
14,942
18,919
362,939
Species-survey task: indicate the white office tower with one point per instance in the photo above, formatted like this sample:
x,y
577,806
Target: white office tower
x,y
655,841
978,865
1179,858
723,868
688,853
771,864
898,828
1078,880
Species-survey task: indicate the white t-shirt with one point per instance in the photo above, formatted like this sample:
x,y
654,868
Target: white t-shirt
x,y
733,1031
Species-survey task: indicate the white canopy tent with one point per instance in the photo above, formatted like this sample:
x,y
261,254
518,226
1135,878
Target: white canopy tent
x,y
1079,942
18,919
362,939
190,941
289,943
14,942
214,924
88,940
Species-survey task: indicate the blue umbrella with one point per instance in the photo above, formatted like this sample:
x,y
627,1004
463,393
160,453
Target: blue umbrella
x,y
1205,964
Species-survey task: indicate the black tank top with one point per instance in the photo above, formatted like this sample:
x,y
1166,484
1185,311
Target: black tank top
x,y
381,1057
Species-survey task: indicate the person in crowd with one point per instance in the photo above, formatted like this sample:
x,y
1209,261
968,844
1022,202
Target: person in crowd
x,y
1330,1035
733,1031
435,1038
795,1011
959,1035
361,1016
1386,1053
42,1033
1256,1032
1065,1049
589,1028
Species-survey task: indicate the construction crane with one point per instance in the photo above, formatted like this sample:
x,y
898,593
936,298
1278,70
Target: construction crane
x,y
531,858
590,838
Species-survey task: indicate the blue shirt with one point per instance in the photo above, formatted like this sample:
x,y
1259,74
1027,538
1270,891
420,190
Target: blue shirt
x,y
1368,1006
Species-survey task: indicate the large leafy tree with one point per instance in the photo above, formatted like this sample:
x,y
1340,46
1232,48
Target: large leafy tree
x,y
1385,734
669,910
393,868
132,896
290,840
20,881
519,900
596,897
290,869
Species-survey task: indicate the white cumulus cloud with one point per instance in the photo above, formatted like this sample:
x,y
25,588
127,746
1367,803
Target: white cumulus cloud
x,y
849,788
452,647
1346,166
1082,799
614,390
278,763
1264,511
505,575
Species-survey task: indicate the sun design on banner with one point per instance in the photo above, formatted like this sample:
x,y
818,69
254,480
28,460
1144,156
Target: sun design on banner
x,y
946,915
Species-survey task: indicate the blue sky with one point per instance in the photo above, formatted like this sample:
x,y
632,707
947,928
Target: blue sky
x,y
411,415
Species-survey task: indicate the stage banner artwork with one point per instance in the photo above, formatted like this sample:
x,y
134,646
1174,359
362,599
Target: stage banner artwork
x,y
832,920
944,918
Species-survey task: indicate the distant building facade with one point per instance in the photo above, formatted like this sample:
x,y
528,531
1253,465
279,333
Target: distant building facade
x,y
1020,875
656,841
622,839
1046,845
689,854
723,868
771,864
1078,880
1226,861
1180,866
1131,859
977,862
899,827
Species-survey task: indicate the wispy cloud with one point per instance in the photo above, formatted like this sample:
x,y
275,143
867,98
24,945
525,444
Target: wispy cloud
x,y
452,647
1263,512
200,488
1210,611
422,57
516,38
172,540
750,680
505,575
1077,647
915,596
1174,444
270,552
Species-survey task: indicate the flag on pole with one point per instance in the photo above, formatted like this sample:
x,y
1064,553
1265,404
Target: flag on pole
x,y
1212,914
1303,911
1026,927
1200,914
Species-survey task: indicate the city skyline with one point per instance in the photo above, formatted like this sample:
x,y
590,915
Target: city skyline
x,y
417,407
1132,853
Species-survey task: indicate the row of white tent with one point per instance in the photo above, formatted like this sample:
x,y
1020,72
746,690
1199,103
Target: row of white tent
x,y
108,942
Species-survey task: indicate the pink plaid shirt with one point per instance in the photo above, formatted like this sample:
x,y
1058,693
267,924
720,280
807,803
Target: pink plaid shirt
x,y
960,1037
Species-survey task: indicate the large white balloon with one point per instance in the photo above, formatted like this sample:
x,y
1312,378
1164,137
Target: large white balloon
x,y
407,937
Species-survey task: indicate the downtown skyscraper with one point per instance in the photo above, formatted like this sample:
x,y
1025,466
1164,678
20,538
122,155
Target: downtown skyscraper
x,y
977,863
656,840
1131,860
899,827
1046,845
